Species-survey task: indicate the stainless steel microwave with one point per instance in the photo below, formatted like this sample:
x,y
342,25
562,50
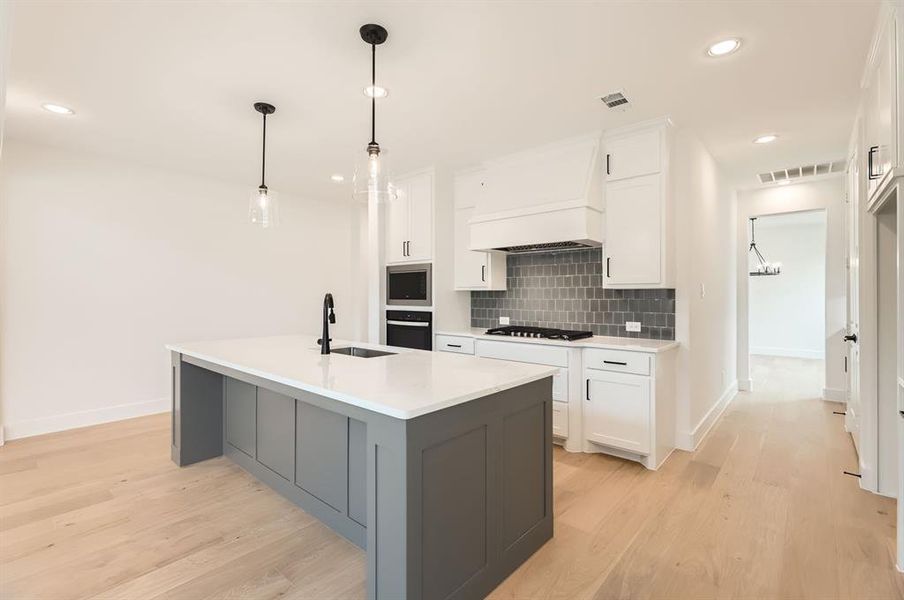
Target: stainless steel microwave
x,y
409,285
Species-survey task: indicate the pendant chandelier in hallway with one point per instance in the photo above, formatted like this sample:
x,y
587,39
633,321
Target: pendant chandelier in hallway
x,y
763,267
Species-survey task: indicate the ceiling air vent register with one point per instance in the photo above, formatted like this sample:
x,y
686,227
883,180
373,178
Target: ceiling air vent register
x,y
616,99
805,171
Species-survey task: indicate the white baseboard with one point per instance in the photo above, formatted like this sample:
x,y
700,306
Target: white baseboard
x,y
690,440
2,437
84,418
834,395
788,352
745,385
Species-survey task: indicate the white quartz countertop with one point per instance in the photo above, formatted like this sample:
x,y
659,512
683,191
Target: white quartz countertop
x,y
405,385
597,341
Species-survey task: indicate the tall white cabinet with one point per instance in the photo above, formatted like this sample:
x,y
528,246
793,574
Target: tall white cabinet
x,y
636,250
474,270
409,220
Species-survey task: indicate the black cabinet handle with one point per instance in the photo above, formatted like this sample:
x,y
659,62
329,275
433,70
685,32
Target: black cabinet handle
x,y
870,163
851,338
454,345
607,165
607,266
588,389
483,272
615,362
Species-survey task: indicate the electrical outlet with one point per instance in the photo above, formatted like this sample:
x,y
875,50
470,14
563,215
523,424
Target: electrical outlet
x,y
632,326
503,320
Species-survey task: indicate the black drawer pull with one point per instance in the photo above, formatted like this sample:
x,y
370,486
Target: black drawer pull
x,y
615,362
454,345
588,389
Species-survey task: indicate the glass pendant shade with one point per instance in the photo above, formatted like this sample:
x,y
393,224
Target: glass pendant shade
x,y
263,207
372,177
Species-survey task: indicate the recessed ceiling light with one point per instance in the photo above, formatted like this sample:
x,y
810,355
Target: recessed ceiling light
x,y
724,47
58,109
338,178
765,139
375,91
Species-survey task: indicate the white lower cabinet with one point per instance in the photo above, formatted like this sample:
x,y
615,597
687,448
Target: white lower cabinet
x,y
604,400
617,410
560,419
628,404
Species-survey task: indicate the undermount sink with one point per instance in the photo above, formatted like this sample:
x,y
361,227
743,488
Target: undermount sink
x,y
360,352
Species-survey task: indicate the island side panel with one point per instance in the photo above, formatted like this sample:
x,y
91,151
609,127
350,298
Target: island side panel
x,y
479,491
197,413
388,558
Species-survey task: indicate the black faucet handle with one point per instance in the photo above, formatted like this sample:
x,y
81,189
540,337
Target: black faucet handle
x,y
320,340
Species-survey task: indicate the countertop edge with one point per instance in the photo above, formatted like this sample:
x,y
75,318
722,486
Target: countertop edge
x,y
359,402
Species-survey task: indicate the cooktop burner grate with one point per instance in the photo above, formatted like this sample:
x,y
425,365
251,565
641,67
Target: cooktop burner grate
x,y
539,332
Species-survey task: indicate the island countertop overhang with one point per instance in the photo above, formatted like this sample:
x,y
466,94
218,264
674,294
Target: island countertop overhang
x,y
405,385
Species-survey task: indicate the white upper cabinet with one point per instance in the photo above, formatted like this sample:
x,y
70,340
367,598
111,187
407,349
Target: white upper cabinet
x,y
474,270
880,108
409,221
633,253
635,250
633,155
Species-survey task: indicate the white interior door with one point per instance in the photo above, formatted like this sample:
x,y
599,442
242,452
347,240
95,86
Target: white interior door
x,y
852,417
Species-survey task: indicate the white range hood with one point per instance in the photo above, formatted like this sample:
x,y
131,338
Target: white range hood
x,y
549,198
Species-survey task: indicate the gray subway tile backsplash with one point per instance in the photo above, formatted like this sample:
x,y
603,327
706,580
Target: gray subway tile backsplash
x,y
564,290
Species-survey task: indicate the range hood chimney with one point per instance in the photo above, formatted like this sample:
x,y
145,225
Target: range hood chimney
x,y
542,200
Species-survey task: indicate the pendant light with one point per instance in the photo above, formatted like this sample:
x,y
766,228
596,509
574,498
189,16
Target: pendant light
x,y
372,179
763,267
263,207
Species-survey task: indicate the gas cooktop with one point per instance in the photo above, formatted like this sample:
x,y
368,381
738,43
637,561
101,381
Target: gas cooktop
x,y
539,332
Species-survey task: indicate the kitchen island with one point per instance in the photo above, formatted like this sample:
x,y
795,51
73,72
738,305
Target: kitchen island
x,y
438,465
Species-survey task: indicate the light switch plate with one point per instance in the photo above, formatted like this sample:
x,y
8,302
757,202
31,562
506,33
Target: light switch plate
x,y
632,326
503,320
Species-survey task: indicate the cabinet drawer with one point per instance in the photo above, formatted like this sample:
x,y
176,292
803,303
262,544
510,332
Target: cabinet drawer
x,y
560,419
553,356
621,361
454,343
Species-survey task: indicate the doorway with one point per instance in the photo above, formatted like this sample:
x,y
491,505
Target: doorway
x,y
786,264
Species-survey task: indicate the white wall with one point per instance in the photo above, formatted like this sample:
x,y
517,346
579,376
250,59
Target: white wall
x,y
826,194
104,262
787,312
705,310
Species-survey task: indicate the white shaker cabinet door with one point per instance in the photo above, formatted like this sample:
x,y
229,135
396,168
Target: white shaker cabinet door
x,y
617,410
633,247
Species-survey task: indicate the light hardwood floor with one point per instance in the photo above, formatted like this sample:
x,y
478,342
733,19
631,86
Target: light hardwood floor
x,y
761,510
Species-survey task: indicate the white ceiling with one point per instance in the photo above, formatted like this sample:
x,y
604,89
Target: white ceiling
x,y
171,84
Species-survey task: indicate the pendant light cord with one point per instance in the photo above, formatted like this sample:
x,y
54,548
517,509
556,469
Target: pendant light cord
x,y
264,152
373,96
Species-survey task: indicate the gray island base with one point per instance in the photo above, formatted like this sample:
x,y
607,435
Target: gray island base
x,y
446,504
